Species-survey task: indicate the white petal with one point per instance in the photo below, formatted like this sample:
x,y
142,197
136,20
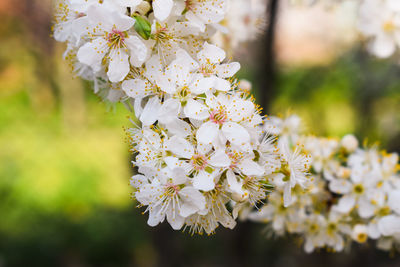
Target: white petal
x,y
195,21
148,193
169,111
196,110
155,216
178,176
121,22
153,68
373,231
193,201
166,85
183,58
119,65
308,245
251,168
345,204
138,180
134,88
207,133
235,133
287,195
389,225
211,54
222,84
233,184
383,46
179,127
204,181
162,9
340,186
150,112
365,208
137,106
240,109
203,85
180,147
219,159
129,3
227,70
138,51
394,201
174,219
92,53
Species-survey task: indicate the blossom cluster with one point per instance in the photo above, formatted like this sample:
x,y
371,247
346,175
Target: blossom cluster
x,y
202,151
354,194
109,41
378,22
199,151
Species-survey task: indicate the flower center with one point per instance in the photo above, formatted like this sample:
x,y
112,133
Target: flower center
x,y
358,189
332,227
235,158
207,70
314,228
199,162
218,116
161,34
188,4
383,211
184,92
388,26
171,189
362,237
116,38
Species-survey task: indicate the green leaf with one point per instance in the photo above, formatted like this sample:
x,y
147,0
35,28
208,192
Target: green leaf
x,y
142,27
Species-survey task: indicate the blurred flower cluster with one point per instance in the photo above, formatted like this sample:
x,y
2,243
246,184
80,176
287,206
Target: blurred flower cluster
x,y
378,22
354,194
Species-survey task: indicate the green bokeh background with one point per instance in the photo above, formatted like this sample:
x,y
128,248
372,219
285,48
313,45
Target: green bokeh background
x,y
65,167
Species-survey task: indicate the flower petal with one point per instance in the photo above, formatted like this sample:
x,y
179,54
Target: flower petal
x,y
211,54
196,110
235,133
204,181
227,70
119,65
150,112
180,147
162,9
207,133
219,159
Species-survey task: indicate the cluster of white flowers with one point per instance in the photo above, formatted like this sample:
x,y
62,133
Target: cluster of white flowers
x,y
109,41
198,147
203,152
354,194
378,22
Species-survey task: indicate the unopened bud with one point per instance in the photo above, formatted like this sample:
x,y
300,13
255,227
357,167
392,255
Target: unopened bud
x,y
143,8
240,197
244,85
349,142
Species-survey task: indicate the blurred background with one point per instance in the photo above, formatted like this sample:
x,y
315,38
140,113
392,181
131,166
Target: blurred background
x,y
65,168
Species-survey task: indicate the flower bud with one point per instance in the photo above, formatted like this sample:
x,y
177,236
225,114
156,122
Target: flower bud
x,y
244,85
359,233
349,142
240,197
143,8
